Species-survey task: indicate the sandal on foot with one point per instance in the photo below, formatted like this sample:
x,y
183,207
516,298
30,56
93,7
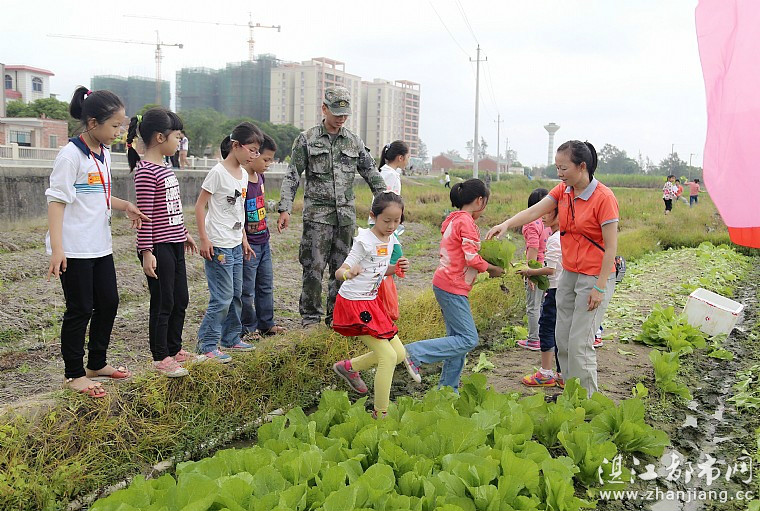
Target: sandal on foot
x,y
93,390
251,336
120,373
274,330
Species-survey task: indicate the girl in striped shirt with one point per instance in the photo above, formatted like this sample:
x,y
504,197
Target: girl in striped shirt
x,y
161,244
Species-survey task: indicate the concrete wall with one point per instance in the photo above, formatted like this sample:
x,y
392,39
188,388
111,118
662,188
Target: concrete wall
x,y
22,188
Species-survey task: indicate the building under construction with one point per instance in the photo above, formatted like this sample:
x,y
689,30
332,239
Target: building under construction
x,y
134,91
242,89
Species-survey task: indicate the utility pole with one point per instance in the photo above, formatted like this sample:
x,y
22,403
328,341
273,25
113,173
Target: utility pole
x,y
476,144
672,152
690,156
508,157
498,122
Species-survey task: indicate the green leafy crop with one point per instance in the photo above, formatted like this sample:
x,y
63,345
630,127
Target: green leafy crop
x,y
481,450
498,252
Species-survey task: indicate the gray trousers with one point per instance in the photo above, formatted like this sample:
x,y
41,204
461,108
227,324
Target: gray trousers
x,y
533,299
576,326
322,245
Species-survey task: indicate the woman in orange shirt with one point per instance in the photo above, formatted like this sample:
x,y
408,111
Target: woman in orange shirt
x,y
588,220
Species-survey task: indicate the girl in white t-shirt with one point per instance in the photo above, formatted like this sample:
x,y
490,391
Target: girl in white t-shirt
x,y
393,160
79,240
224,242
359,312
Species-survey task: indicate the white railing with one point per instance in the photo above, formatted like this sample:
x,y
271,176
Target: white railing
x,y
16,152
37,153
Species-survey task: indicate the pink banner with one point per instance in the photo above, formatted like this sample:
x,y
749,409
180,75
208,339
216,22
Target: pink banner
x,y
728,34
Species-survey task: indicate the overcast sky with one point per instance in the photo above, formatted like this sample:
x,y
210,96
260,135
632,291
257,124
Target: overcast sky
x,y
625,73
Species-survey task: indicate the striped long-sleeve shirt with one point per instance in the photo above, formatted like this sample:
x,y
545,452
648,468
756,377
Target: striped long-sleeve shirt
x,y
157,190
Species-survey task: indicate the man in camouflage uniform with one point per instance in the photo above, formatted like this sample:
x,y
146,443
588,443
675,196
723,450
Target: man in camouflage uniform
x,y
330,155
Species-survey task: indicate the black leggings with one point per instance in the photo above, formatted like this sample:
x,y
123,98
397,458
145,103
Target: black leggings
x,y
668,204
168,300
89,287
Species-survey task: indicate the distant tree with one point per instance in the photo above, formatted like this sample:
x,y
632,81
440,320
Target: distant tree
x,y
422,151
147,107
470,148
204,130
613,160
51,108
672,165
483,149
453,153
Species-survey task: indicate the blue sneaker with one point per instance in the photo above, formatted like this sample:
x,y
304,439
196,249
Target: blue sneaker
x,y
217,355
241,346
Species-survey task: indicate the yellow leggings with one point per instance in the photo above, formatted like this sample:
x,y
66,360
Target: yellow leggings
x,y
385,355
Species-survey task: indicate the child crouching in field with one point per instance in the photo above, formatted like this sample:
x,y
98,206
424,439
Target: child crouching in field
x,y
546,377
457,270
359,312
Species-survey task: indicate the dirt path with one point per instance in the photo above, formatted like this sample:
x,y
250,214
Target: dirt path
x,y
31,307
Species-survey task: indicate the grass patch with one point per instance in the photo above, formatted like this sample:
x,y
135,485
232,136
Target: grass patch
x,y
81,445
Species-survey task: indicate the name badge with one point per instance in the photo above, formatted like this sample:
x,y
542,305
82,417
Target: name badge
x,y
382,250
93,178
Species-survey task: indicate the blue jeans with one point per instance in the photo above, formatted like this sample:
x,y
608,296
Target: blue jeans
x,y
547,324
693,199
461,338
224,274
258,287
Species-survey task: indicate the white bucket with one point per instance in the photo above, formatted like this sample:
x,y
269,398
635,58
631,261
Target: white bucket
x,y
712,313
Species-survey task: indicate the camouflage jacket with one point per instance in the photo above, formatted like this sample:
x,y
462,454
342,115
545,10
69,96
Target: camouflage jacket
x,y
330,170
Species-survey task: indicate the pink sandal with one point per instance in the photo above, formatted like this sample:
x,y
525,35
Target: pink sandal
x,y
120,373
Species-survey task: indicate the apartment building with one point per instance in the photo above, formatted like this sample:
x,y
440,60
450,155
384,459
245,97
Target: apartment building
x,y
297,91
390,111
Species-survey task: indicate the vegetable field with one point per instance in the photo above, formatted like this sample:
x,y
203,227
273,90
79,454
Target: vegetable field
x,y
276,430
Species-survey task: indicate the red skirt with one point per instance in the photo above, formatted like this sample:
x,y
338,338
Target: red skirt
x,y
362,317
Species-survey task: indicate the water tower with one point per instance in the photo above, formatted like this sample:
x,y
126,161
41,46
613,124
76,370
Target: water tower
x,y
551,128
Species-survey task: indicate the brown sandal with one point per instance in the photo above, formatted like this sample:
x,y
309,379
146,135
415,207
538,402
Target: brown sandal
x,y
273,331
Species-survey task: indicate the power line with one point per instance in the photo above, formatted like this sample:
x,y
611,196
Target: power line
x,y
490,86
466,21
449,31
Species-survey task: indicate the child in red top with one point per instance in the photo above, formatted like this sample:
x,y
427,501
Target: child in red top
x,y
458,268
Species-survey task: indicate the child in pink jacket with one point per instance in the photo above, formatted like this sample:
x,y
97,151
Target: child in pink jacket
x,y
458,268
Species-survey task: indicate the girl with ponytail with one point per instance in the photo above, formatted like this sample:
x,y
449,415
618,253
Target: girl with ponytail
x,y
79,240
457,270
224,242
588,220
161,245
393,160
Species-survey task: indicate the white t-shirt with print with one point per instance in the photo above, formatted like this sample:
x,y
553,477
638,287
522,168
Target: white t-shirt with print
x,y
76,182
226,207
553,258
374,256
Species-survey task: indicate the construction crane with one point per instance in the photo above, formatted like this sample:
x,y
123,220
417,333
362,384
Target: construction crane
x,y
159,55
251,25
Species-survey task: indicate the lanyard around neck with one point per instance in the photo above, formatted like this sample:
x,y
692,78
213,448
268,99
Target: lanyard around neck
x,y
106,191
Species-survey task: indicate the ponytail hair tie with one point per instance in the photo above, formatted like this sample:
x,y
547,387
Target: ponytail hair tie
x,y
139,118
387,146
87,93
129,146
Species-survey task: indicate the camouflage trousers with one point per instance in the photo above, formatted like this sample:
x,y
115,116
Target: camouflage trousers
x,y
321,245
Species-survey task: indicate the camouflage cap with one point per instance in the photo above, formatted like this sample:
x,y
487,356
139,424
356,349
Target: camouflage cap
x,y
338,100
